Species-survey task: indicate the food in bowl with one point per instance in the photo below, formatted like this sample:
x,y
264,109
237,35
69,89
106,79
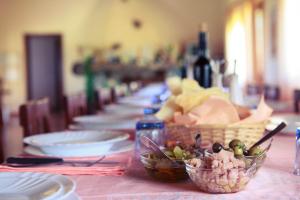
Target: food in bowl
x,y
164,169
255,154
220,172
226,170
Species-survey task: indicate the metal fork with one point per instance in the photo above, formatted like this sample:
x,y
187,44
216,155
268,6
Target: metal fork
x,y
83,163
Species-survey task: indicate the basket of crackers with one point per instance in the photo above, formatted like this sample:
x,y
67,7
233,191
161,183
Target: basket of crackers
x,y
191,109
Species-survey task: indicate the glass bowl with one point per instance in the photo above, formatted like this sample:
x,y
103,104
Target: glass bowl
x,y
257,160
214,181
164,169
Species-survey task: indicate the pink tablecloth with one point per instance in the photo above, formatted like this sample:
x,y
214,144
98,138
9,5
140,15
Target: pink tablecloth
x,y
274,181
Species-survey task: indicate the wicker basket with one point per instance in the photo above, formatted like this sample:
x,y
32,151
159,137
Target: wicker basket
x,y
248,133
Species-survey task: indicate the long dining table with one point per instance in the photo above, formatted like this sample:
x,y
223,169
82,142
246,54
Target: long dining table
x,y
275,179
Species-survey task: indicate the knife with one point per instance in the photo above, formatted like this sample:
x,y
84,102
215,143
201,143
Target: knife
x,y
17,161
32,161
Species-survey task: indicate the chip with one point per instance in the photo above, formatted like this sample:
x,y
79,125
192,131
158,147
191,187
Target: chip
x,y
174,85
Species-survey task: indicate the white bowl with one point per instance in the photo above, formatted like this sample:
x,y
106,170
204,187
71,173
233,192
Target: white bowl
x,y
81,143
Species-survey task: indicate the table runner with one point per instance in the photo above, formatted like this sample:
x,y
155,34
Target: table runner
x,y
274,181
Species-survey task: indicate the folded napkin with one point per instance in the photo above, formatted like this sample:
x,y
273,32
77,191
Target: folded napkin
x,y
67,169
262,113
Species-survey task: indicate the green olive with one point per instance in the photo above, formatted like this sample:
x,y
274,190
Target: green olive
x,y
255,151
238,143
235,143
178,152
169,153
238,151
217,147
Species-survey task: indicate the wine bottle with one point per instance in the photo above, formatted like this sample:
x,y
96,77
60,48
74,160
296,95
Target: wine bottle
x,y
181,62
202,69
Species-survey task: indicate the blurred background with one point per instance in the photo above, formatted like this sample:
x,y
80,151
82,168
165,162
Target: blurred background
x,y
44,44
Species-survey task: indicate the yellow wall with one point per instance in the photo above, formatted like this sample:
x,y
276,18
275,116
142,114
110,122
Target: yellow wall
x,y
99,23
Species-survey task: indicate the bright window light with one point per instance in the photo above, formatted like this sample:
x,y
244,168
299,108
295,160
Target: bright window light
x,y
291,41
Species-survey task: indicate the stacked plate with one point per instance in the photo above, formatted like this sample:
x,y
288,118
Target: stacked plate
x,y
292,121
104,122
78,143
136,101
124,111
31,186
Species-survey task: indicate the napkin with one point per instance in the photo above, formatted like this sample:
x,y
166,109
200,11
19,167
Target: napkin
x,y
262,113
67,169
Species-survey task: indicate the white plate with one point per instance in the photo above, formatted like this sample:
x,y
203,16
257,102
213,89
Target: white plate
x,y
116,126
28,188
31,185
72,196
123,110
119,147
100,119
150,90
136,101
81,143
292,121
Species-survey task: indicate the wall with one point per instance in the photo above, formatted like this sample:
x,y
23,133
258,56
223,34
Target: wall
x,y
99,23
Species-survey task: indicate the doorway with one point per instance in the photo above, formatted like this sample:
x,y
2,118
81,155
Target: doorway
x,y
44,68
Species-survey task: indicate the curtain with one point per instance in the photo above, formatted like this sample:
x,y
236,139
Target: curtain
x,y
276,62
239,41
289,68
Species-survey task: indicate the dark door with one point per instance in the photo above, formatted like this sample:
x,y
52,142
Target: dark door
x,y
44,68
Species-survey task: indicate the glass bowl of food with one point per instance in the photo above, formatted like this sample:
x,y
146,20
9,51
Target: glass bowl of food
x,y
254,155
226,170
164,169
220,173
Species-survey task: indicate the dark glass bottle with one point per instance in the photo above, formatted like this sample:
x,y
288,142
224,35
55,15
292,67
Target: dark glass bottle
x,y
183,71
202,70
181,62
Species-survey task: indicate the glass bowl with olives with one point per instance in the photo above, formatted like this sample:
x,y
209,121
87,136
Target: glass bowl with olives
x,y
254,156
164,169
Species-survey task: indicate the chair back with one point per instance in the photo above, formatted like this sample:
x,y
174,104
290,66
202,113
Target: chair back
x,y
1,136
99,100
1,117
113,95
74,105
272,92
35,117
296,100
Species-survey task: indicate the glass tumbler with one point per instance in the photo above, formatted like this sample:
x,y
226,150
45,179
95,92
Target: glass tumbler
x,y
297,159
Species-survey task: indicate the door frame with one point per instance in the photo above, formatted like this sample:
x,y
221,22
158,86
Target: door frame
x,y
26,39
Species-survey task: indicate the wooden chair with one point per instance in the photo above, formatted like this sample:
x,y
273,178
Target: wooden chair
x,y
113,95
103,97
272,92
1,118
296,100
99,100
1,136
74,105
35,117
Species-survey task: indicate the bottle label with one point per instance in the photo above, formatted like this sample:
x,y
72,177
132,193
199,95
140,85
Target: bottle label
x,y
298,133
